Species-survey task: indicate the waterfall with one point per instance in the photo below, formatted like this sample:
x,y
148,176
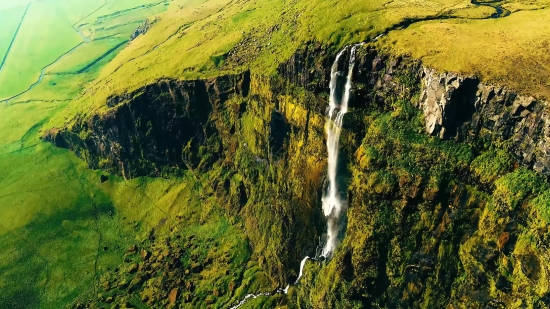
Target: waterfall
x,y
302,264
334,83
332,201
249,297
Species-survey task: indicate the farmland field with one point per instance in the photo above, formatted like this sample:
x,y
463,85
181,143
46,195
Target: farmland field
x,y
63,36
49,201
11,20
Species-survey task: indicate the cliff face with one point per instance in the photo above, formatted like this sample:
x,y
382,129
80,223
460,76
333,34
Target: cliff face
x,y
155,129
132,139
448,221
464,109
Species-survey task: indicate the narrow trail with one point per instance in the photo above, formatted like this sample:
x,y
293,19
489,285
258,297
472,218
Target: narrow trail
x,y
14,36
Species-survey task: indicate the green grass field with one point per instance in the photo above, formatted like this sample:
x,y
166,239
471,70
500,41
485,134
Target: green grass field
x,y
512,50
11,19
64,216
84,56
44,36
63,36
64,87
60,228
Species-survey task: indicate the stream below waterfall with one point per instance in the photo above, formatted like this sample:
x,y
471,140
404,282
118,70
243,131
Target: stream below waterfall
x,y
333,204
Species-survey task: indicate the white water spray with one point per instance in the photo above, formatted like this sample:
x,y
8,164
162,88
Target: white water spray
x,y
302,264
249,297
332,201
334,83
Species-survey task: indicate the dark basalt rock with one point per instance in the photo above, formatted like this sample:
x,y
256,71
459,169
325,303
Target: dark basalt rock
x,y
161,125
142,29
464,109
279,131
103,178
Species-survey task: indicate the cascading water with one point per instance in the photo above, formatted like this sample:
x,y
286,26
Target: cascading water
x,y
332,202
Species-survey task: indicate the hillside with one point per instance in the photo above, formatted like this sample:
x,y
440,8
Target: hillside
x,y
174,154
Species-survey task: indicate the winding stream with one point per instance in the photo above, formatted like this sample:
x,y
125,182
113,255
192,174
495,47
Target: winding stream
x,y
500,11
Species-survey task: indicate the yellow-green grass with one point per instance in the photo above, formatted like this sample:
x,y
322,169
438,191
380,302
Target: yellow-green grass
x,y
83,56
113,6
44,36
203,39
14,126
473,12
56,215
60,226
64,87
125,23
132,15
7,4
10,19
514,6
75,11
512,51
47,34
119,31
61,229
86,59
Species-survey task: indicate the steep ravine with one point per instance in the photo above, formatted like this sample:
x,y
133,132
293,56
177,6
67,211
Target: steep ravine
x,y
452,220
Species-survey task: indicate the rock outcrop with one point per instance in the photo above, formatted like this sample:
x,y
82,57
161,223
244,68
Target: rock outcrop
x,y
142,29
157,128
463,108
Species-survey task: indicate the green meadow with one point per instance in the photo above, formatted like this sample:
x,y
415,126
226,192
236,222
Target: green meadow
x,y
60,227
62,36
11,19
